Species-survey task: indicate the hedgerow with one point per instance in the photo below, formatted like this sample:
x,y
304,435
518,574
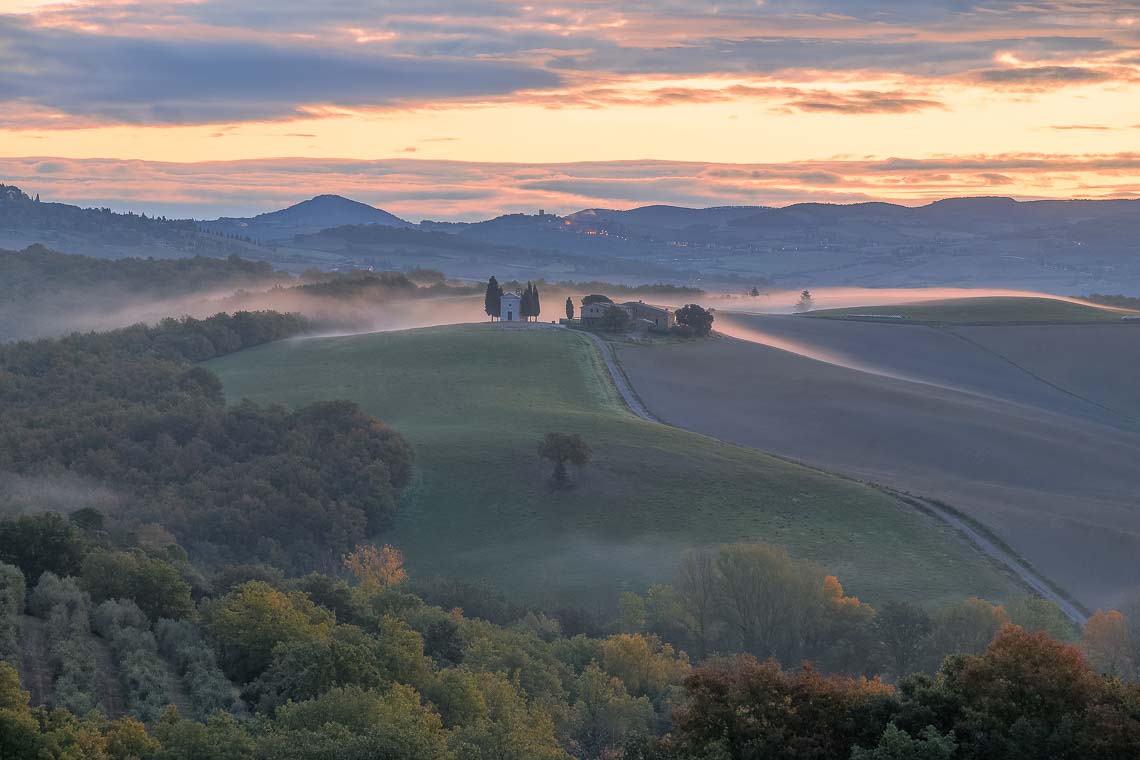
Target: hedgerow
x,y
181,643
145,676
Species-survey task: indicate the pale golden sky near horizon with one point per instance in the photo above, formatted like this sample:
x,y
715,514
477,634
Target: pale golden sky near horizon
x,y
500,105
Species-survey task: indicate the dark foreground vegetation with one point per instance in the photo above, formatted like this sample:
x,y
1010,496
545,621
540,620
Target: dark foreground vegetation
x,y
362,663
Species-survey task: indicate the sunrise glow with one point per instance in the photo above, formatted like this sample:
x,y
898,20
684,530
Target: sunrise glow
x,y
506,105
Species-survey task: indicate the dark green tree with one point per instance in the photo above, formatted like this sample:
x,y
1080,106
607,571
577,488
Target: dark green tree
x,y
902,630
561,448
40,543
492,301
695,319
535,303
154,585
524,304
569,307
615,319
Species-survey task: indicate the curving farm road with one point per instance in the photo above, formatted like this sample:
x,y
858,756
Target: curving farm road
x,y
1038,583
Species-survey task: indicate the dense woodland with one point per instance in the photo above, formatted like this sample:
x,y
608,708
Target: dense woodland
x,y
37,270
246,663
128,409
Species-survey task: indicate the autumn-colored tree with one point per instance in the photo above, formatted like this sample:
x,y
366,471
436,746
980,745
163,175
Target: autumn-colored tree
x,y
965,628
643,663
18,729
1108,644
376,568
254,618
748,710
604,714
1027,696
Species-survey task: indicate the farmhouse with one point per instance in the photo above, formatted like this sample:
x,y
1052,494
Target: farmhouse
x,y
510,306
658,317
661,317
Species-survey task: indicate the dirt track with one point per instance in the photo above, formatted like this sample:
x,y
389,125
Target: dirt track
x,y
1052,474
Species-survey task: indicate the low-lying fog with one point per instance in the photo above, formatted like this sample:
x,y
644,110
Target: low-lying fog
x,y
107,310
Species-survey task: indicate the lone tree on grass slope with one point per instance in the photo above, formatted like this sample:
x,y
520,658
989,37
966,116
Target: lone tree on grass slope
x,y
561,448
569,307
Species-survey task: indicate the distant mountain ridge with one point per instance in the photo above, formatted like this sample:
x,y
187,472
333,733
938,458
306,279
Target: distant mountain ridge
x,y
1061,246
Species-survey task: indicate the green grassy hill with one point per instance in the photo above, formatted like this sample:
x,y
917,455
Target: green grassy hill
x,y
983,310
475,400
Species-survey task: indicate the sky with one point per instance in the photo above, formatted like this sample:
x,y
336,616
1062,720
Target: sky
x,y
463,109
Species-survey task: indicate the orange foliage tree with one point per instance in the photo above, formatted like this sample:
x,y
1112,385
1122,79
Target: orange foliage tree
x,y
1108,644
376,568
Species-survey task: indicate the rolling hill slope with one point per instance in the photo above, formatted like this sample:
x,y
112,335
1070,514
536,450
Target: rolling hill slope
x,y
475,400
305,218
1032,430
990,310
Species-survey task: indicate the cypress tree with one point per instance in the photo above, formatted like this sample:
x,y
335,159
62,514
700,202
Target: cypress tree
x,y
535,304
492,301
525,305
569,308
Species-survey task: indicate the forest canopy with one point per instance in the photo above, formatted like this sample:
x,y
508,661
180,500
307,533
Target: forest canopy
x,y
128,409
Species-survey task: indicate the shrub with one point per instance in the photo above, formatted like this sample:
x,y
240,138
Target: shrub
x,y
146,679
180,642
67,610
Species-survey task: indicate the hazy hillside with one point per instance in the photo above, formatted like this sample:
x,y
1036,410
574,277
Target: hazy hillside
x,y
1068,247
304,218
100,232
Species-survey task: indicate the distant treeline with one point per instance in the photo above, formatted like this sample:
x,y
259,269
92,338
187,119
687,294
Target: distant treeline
x,y
128,409
37,270
392,285
1118,301
20,211
365,234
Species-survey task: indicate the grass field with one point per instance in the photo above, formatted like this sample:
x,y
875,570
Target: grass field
x,y
474,401
988,310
